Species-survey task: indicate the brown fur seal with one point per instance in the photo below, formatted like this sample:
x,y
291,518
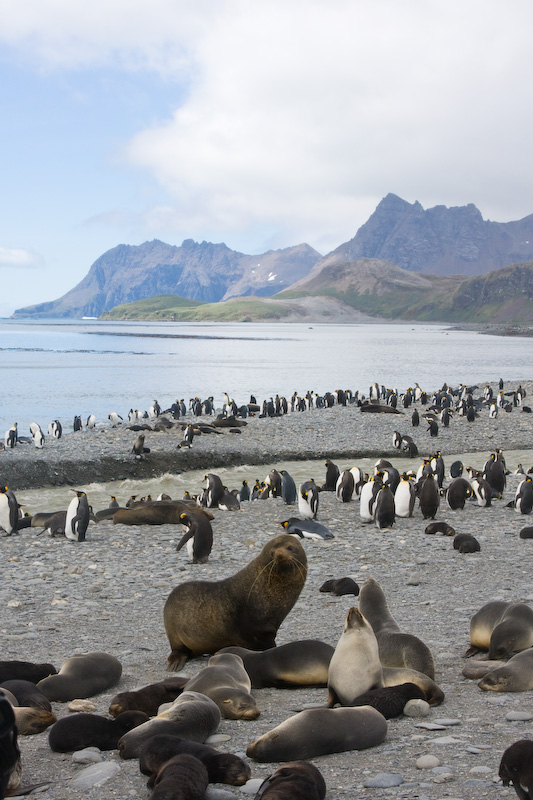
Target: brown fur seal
x,y
514,676
156,512
297,780
393,676
303,662
9,749
183,777
27,694
319,731
148,698
32,720
466,543
226,681
516,768
501,628
355,666
440,527
91,730
221,767
82,675
475,670
396,649
192,715
25,671
245,609
340,586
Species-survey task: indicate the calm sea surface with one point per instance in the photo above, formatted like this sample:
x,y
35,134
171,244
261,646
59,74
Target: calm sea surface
x,y
56,369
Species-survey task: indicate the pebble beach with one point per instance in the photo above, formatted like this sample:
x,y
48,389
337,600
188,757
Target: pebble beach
x,y
107,593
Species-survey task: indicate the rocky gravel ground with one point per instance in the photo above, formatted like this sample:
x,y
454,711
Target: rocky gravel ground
x,y
107,593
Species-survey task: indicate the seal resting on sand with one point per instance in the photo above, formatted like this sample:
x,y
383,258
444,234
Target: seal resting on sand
x,y
245,609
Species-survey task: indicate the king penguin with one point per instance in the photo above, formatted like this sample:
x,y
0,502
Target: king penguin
x,y
77,520
9,511
308,500
289,493
404,497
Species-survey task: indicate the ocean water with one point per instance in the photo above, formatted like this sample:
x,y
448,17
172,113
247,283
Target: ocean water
x,y
56,369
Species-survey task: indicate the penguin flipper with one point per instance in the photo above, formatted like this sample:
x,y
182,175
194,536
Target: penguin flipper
x,y
184,539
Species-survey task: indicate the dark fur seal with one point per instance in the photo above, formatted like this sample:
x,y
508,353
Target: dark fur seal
x,y
301,663
319,731
396,649
340,587
526,533
501,628
156,512
82,675
91,730
221,767
27,694
390,700
9,749
440,527
245,609
297,780
148,698
466,543
25,671
516,768
183,777
192,716
226,681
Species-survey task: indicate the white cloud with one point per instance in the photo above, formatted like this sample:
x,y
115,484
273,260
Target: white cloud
x,y
300,114
17,258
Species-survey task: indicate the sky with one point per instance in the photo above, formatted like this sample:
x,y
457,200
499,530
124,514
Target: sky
x,y
257,124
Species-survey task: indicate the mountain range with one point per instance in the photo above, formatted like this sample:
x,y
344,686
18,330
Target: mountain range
x,y
400,257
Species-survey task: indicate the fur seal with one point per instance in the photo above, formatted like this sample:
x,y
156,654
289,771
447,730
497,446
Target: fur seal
x,y
245,609
526,533
340,586
297,780
319,731
355,666
501,628
466,543
82,675
91,730
303,662
9,749
25,671
156,512
514,676
396,649
148,698
516,768
192,716
226,681
183,777
440,527
390,700
27,694
221,767
394,676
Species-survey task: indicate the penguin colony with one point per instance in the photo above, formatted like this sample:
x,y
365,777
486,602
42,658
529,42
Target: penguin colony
x,y
382,497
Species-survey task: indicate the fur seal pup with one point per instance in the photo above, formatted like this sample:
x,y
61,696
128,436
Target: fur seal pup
x,y
514,676
148,698
226,681
304,662
26,693
183,777
245,609
466,543
319,731
396,649
82,675
526,533
192,716
297,780
198,537
91,730
355,666
221,767
516,768
390,700
440,527
25,671
340,586
10,767
32,720
501,628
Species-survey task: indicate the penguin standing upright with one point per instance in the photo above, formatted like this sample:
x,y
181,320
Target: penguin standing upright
x,y
77,520
78,424
198,537
289,493
404,497
428,496
91,422
332,476
368,497
9,511
415,419
11,437
345,486
273,479
308,500
37,435
524,496
244,492
214,488
457,493
55,429
384,509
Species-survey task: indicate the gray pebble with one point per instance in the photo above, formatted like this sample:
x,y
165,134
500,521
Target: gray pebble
x,y
518,716
383,780
89,755
416,708
96,775
427,762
